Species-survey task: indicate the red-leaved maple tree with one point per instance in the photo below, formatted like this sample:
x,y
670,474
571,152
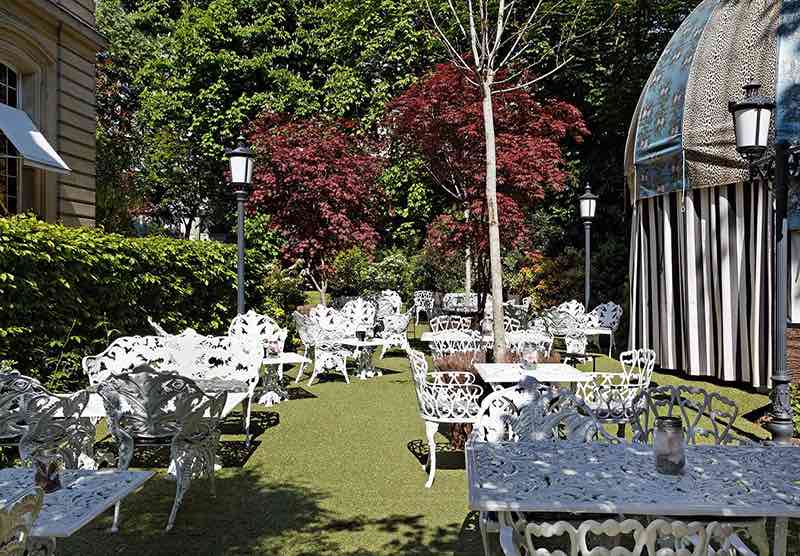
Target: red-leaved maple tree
x,y
441,119
317,180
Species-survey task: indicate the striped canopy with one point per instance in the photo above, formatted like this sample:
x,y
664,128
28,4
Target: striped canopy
x,y
681,136
701,233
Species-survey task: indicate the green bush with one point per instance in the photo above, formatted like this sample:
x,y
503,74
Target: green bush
x,y
354,272
68,292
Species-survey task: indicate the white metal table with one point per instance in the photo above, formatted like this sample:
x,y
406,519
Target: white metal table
x,y
364,350
550,476
499,374
84,495
274,390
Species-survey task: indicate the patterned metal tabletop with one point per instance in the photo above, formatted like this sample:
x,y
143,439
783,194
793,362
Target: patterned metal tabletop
x,y
548,476
85,494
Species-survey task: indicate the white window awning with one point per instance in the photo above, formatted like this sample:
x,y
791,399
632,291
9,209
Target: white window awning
x,y
29,141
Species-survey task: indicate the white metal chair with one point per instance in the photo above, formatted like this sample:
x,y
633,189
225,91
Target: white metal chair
x,y
395,331
16,522
329,353
389,303
600,538
611,395
531,411
38,422
308,332
147,407
467,302
443,398
530,339
423,303
707,417
362,312
607,315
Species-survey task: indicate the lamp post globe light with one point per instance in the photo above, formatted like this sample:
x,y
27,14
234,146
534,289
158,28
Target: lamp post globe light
x,y
587,203
241,165
751,122
751,119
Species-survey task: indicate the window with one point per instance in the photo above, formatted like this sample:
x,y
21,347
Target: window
x,y
10,161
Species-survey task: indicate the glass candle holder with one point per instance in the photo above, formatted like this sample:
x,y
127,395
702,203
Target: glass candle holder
x,y
530,357
669,444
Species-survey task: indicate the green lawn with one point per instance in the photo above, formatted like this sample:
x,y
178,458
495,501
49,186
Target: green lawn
x,y
332,473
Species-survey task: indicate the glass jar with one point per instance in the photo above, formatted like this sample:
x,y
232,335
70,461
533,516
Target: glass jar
x,y
669,444
530,357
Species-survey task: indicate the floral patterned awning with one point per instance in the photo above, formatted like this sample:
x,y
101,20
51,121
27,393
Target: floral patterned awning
x,y
681,136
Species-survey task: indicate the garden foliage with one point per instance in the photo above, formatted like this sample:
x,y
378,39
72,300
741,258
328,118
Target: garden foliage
x,y
68,292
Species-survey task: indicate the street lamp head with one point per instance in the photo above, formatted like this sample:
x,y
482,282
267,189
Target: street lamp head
x,y
751,119
587,204
241,160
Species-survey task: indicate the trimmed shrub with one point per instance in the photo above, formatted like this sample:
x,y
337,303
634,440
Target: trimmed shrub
x,y
68,292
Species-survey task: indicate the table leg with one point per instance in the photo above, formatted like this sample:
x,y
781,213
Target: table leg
x,y
781,532
365,367
274,391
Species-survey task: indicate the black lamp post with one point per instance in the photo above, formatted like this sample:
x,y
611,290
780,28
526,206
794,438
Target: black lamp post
x,y
241,160
588,205
751,122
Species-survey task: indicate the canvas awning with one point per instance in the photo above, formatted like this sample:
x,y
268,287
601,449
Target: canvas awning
x,y
29,141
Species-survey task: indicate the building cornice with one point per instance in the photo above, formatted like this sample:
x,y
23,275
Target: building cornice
x,y
72,21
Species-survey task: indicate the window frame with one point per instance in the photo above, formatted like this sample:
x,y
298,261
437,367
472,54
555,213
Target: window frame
x,y
4,203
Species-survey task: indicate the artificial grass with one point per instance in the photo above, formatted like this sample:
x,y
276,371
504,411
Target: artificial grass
x,y
331,474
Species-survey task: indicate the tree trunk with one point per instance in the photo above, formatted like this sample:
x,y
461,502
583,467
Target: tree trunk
x,y
495,266
467,261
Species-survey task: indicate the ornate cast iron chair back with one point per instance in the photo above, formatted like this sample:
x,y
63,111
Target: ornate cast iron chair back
x,y
362,312
534,339
707,416
389,303
123,355
456,342
533,411
41,423
147,407
256,325
444,323
607,315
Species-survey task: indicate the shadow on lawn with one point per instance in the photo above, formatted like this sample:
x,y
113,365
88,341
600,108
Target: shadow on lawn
x,y
446,456
251,515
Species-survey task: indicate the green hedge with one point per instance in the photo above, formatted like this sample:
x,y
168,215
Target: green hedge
x,y
68,292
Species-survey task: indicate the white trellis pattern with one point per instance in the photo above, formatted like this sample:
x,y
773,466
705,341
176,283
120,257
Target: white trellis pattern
x,y
456,342
444,323
611,395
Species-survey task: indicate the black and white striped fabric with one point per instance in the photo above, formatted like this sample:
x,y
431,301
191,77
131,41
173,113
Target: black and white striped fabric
x,y
700,274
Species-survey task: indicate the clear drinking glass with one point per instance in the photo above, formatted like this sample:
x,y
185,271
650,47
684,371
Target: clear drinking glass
x,y
669,444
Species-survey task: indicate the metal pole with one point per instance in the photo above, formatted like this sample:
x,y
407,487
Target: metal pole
x,y
781,425
241,197
587,225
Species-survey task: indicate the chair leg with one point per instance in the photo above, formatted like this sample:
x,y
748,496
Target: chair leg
x,y
211,475
343,369
302,365
431,429
488,546
115,524
182,482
